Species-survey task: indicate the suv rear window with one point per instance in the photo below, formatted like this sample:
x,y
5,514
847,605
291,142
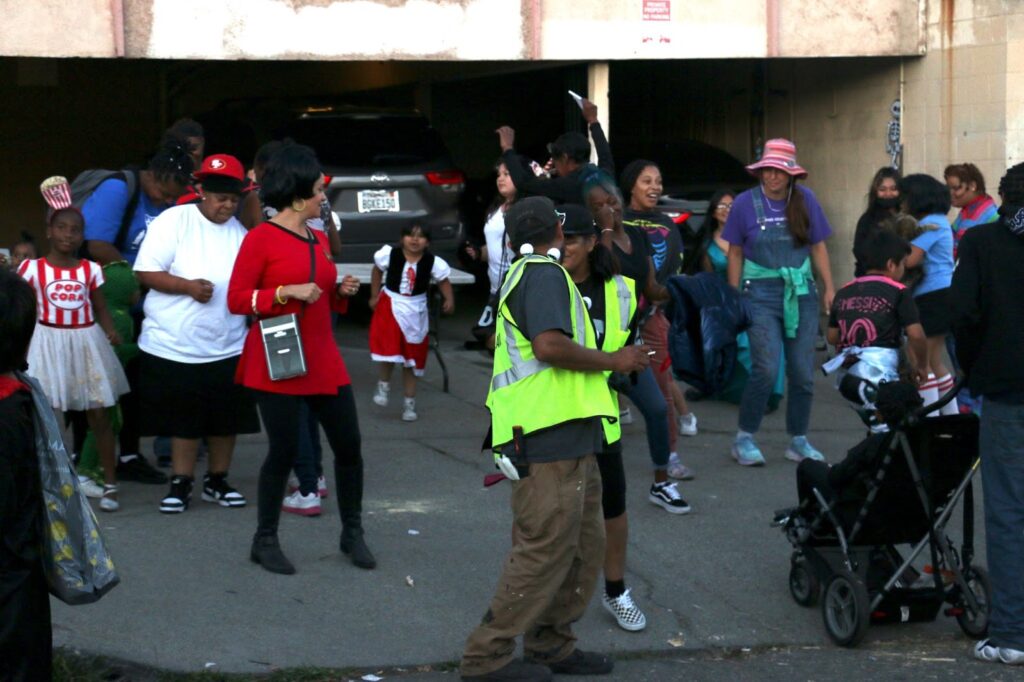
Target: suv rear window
x,y
369,140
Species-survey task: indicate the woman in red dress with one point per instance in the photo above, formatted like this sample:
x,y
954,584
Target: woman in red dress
x,y
284,268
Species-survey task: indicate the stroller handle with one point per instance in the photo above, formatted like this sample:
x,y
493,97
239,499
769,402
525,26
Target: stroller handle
x,y
941,402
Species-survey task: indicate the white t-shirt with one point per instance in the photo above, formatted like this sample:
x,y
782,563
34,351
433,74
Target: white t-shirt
x,y
182,242
499,256
438,273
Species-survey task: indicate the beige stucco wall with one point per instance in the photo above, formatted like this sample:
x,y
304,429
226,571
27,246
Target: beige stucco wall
x,y
460,29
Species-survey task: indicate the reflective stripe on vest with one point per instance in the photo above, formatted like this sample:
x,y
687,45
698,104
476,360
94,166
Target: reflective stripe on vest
x,y
619,302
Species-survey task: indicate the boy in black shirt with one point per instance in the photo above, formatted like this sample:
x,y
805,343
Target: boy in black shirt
x,y
868,318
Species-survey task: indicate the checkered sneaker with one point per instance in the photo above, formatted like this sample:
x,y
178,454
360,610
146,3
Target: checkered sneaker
x,y
627,614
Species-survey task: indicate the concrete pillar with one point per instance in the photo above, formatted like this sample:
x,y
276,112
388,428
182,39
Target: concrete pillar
x,y
597,92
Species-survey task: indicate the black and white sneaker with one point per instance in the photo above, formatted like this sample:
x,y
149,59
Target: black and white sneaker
x,y
216,489
179,496
666,495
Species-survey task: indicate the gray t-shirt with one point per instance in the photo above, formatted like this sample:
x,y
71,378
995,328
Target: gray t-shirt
x,y
540,303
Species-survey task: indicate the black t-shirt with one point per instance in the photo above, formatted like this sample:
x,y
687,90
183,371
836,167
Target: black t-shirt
x,y
872,311
540,303
637,264
664,243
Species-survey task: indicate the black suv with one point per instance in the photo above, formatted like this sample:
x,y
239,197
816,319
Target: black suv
x,y
388,169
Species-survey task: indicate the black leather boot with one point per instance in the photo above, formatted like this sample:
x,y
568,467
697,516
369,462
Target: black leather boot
x,y
350,504
266,551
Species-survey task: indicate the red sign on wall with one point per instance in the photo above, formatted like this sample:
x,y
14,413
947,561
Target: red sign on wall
x,y
657,10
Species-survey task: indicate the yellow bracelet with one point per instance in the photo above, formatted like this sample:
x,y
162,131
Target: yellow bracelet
x,y
277,296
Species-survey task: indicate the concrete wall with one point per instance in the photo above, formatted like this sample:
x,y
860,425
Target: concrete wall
x,y
460,29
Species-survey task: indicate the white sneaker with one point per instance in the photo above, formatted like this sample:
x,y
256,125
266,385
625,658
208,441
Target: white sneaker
x,y
303,505
321,487
687,424
678,470
625,417
409,410
627,614
89,487
108,499
381,396
293,483
983,651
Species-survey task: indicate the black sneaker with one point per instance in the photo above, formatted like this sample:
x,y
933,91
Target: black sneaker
x,y
514,671
666,495
178,496
216,489
136,468
582,663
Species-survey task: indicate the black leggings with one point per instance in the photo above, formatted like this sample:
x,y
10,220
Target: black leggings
x,y
282,421
613,484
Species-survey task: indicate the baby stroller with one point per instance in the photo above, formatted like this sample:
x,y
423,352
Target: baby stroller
x,y
845,541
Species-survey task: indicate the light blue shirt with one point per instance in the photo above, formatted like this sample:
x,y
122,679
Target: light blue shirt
x,y
937,243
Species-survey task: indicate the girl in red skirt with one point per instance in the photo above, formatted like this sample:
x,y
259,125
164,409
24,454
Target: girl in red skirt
x,y
398,330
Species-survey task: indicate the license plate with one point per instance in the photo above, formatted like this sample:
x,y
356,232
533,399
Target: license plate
x,y
373,200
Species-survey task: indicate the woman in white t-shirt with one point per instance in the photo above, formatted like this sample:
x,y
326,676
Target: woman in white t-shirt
x,y
190,343
495,252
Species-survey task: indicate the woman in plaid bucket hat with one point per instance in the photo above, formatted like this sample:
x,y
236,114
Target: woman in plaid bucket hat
x,y
775,232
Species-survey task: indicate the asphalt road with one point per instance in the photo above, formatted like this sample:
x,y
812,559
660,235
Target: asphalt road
x,y
712,583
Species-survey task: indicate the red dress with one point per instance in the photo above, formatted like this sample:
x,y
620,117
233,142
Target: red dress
x,y
272,256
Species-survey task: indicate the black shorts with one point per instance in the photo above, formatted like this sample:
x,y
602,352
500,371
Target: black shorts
x,y
933,309
186,400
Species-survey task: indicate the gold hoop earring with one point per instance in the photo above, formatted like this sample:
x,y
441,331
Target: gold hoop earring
x,y
300,207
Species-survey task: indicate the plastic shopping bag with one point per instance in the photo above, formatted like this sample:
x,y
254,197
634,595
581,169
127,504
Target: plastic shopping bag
x,y
79,569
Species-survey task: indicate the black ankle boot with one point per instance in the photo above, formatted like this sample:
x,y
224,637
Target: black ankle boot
x,y
352,543
266,551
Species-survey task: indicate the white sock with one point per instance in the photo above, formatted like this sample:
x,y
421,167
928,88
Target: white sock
x,y
929,392
945,385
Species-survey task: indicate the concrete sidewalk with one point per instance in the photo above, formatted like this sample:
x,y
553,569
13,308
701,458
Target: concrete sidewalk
x,y
189,595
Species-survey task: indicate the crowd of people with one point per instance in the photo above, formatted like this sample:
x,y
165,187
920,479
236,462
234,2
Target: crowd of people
x,y
578,261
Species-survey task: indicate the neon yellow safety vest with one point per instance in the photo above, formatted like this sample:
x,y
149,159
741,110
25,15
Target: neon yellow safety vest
x,y
619,307
533,394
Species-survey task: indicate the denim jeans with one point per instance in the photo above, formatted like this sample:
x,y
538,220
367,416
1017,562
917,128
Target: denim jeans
x,y
1002,475
767,343
649,399
309,458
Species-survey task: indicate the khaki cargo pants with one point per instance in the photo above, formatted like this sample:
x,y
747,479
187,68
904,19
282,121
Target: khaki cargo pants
x,y
549,577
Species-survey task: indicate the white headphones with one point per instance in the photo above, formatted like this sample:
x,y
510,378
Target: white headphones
x,y
527,248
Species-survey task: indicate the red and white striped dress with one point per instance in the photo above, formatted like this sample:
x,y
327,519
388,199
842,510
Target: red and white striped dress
x,y
70,354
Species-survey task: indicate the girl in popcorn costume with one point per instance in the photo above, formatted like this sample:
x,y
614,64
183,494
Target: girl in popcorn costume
x,y
71,352
398,330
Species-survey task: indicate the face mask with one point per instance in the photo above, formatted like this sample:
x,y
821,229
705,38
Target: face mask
x,y
891,202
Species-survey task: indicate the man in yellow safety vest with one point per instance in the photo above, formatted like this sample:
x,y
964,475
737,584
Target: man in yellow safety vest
x,y
548,401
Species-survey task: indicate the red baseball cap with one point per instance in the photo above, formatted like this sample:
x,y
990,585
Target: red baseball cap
x,y
223,165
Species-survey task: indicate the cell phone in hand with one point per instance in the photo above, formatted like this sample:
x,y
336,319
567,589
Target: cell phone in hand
x,y
578,98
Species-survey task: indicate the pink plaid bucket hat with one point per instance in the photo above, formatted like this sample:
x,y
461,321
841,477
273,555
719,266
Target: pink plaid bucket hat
x,y
779,153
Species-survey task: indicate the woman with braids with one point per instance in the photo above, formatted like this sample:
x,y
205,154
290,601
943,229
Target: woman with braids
x,y
775,231
641,184
632,250
612,303
159,185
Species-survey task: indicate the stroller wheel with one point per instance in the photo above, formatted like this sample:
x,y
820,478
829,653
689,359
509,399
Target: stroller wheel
x,y
803,583
976,624
845,609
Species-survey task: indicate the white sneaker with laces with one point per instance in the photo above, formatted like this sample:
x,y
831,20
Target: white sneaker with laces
x,y
687,424
627,614
666,495
381,396
678,470
1011,656
409,410
108,499
89,487
303,505
983,651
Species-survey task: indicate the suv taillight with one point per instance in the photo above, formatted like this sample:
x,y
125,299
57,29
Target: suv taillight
x,y
450,177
